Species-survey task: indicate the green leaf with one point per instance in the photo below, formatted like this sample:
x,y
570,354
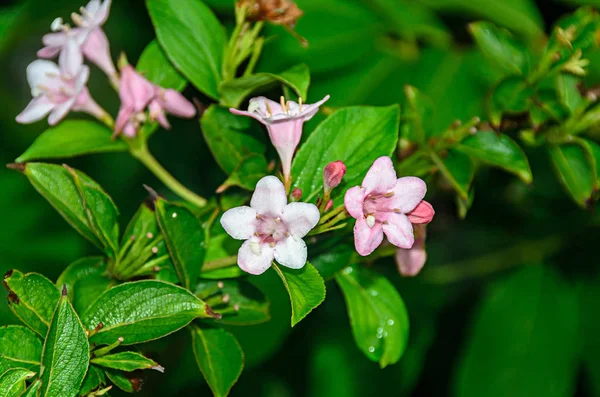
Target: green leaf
x,y
511,95
123,382
374,132
247,174
500,47
80,269
568,91
143,222
193,40
249,304
154,66
574,171
219,357
524,339
458,169
126,361
235,91
72,138
305,286
88,289
417,116
32,391
142,311
93,379
12,382
498,150
226,136
184,237
32,298
19,348
66,354
79,200
377,314
334,259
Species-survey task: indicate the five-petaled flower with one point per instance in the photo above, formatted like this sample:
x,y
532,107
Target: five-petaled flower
x,y
272,228
385,204
58,89
284,122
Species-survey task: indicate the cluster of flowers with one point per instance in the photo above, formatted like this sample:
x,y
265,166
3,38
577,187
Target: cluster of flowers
x,y
273,229
59,89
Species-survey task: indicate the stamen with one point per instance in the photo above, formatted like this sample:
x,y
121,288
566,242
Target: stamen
x,y
220,284
397,210
300,104
84,11
257,216
154,250
370,221
269,112
372,198
283,104
57,25
149,235
272,244
77,19
389,194
385,222
225,298
277,220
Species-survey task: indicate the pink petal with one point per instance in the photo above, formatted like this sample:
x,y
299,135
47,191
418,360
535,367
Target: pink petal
x,y
97,49
61,111
123,117
36,110
308,111
157,113
411,261
70,60
300,218
269,197
177,104
367,239
408,193
85,103
56,39
102,13
248,114
130,129
353,200
381,177
398,230
135,90
291,252
239,222
423,213
252,262
285,136
259,105
48,52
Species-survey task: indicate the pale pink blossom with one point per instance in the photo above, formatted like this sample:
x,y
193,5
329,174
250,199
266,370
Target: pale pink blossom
x,y
59,89
138,94
272,228
382,205
88,34
411,261
284,122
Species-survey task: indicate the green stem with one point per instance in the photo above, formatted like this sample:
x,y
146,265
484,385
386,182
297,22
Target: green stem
x,y
219,263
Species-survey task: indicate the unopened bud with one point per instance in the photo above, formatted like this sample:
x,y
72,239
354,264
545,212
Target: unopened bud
x,y
333,174
297,194
329,205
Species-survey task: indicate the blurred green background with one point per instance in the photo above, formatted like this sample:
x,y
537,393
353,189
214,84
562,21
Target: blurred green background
x,y
508,303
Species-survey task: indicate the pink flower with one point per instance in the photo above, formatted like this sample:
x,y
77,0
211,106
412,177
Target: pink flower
x,y
284,123
58,89
333,174
382,205
89,36
411,261
137,94
272,228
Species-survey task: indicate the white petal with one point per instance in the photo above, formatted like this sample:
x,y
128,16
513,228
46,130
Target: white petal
x,y
39,72
291,252
254,257
308,111
269,196
381,177
71,58
259,106
408,193
300,218
81,79
93,6
60,111
36,110
239,222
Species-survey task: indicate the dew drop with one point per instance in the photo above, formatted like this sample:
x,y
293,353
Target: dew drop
x,y
390,322
371,349
348,270
374,293
174,215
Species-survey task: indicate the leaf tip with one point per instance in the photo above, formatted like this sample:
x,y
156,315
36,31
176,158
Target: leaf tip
x,y
20,167
153,194
64,290
211,313
159,368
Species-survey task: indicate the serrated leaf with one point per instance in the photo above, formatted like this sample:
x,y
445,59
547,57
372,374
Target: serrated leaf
x,y
219,357
93,379
32,298
193,40
184,237
227,137
250,306
66,355
12,381
247,174
72,138
305,287
142,311
374,132
235,91
458,170
126,361
377,314
500,47
19,348
88,289
498,150
574,171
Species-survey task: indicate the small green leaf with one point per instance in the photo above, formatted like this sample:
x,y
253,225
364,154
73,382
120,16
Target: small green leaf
x,y
88,289
66,353
32,391
247,174
417,115
142,311
374,132
19,348
458,169
154,66
377,314
80,269
219,357
500,47
511,95
305,286
227,137
184,237
498,150
234,92
93,379
126,361
568,91
12,382
124,383
72,138
193,40
249,304
574,171
32,298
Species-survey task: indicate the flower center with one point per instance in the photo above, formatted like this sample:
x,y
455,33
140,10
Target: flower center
x,y
270,229
376,206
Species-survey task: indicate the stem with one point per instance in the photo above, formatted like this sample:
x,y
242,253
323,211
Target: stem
x,y
258,45
219,263
145,157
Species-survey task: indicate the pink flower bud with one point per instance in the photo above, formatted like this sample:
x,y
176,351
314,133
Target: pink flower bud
x,y
333,174
329,205
297,194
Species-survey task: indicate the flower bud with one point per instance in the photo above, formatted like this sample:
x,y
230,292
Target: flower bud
x,y
333,174
329,205
297,194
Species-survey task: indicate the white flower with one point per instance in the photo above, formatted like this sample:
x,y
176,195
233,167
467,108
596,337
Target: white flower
x,y
272,228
